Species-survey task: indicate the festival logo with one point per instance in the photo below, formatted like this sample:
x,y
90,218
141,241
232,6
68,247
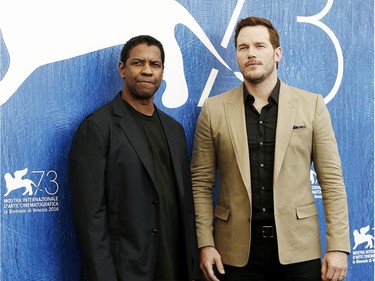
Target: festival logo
x,y
61,39
363,249
24,195
316,190
17,182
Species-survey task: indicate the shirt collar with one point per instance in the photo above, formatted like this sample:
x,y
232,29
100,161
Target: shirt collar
x,y
274,94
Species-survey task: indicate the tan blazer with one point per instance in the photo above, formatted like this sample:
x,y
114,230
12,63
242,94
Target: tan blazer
x,y
221,145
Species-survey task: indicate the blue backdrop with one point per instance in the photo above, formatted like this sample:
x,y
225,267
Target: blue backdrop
x,y
58,63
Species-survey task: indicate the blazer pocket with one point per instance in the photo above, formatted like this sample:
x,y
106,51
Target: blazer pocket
x,y
307,211
222,213
301,131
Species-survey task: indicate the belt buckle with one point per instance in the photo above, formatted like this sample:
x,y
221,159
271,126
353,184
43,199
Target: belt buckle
x,y
267,231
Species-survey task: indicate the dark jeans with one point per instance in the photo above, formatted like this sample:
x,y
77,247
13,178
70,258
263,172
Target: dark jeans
x,y
264,265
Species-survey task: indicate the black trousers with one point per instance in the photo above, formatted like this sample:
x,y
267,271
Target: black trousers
x,y
264,265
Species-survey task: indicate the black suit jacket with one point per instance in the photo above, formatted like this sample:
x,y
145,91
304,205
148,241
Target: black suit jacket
x,y
114,196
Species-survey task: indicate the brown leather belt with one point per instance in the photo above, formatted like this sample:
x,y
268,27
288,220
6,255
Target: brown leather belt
x,y
263,231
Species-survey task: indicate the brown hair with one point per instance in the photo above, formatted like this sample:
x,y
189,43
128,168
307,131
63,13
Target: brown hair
x,y
253,21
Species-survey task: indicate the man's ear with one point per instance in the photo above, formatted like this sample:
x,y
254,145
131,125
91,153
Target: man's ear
x,y
278,54
121,69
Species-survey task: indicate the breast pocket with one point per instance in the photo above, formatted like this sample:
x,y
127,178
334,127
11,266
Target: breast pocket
x,y
301,131
301,139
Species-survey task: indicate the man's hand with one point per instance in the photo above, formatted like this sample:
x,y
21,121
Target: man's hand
x,y
209,257
334,266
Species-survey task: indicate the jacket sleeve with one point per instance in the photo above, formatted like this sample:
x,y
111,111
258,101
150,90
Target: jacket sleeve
x,y
327,165
87,162
203,168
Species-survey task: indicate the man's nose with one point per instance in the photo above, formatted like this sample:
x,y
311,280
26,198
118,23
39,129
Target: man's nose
x,y
251,52
147,69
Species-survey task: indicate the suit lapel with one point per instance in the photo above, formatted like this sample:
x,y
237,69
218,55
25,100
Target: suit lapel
x,y
235,118
132,132
288,105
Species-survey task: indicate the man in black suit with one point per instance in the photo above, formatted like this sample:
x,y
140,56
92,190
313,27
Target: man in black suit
x,y
130,179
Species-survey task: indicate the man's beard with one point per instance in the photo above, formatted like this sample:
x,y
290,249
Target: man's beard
x,y
258,77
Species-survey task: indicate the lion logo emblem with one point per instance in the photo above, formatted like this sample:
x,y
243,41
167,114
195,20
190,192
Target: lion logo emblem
x,y
17,182
361,237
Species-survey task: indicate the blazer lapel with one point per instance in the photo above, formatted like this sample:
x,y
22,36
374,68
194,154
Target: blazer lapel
x,y
132,132
288,105
235,118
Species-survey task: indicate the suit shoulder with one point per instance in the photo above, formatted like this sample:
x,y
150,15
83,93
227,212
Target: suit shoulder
x,y
298,91
101,118
302,95
101,113
226,96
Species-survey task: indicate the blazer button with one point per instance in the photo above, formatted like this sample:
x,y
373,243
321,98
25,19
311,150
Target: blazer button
x,y
154,232
155,203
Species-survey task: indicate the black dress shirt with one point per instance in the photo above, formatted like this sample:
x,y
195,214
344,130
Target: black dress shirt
x,y
261,135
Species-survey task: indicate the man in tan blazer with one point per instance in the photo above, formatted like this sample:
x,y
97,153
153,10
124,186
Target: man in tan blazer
x,y
260,139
